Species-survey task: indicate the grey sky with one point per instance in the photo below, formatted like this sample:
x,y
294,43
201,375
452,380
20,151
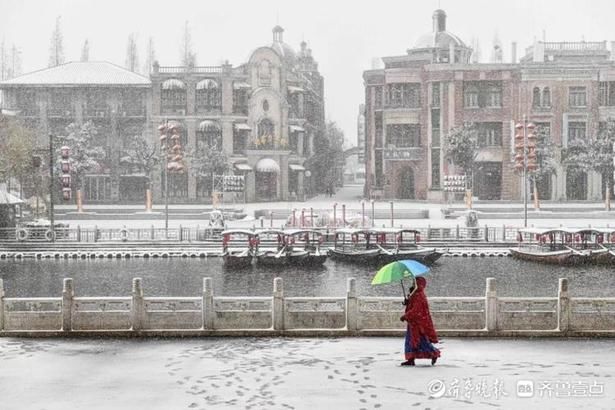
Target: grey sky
x,y
344,36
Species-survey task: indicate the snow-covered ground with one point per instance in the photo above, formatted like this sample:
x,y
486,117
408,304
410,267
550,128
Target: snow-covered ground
x,y
279,373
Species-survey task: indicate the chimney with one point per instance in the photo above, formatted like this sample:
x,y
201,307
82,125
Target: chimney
x,y
451,53
439,21
513,52
539,52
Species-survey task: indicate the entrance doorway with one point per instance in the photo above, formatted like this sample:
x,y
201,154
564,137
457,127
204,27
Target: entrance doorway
x,y
488,181
406,184
576,184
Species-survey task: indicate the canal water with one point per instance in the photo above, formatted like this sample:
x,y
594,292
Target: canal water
x,y
183,277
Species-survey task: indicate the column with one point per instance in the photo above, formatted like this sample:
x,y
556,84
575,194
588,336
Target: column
x,y
208,304
67,304
278,304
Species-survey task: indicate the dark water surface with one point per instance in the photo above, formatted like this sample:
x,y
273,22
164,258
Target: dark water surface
x,y
184,277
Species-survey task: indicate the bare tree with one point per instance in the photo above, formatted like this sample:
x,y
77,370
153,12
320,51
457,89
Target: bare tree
x,y
3,61
56,49
15,68
188,56
132,55
85,51
150,56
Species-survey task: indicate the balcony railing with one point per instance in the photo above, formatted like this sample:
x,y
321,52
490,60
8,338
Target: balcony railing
x,y
184,69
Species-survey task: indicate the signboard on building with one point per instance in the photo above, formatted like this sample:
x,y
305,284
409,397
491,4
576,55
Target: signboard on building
x,y
454,183
411,154
229,183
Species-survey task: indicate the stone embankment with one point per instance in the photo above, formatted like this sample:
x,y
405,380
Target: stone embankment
x,y
276,315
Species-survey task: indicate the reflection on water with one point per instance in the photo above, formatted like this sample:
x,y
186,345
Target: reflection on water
x,y
184,277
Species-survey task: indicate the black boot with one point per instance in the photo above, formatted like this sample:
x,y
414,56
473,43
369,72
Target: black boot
x,y
434,360
408,363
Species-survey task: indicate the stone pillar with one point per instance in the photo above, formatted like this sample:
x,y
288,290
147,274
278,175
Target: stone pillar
x,y
1,305
137,311
227,137
208,304
68,294
491,306
300,137
563,306
191,127
278,304
352,306
227,94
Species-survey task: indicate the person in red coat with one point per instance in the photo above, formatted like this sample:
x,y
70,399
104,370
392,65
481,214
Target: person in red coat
x,y
420,332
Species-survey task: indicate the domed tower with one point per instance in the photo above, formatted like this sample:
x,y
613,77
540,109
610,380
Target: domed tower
x,y
284,50
441,46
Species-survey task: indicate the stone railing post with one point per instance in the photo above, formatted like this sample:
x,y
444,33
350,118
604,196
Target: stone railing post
x,y
181,234
137,311
503,233
68,293
563,306
491,306
352,306
278,304
1,305
486,233
457,232
78,233
208,304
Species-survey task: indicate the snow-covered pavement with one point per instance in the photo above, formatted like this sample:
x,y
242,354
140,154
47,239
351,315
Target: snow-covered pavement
x,y
280,373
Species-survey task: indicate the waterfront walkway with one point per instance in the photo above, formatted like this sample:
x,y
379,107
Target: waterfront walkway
x,y
280,373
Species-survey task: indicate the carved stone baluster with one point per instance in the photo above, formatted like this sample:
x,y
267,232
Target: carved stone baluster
x,y
278,304
491,306
352,306
208,304
137,311
563,306
68,293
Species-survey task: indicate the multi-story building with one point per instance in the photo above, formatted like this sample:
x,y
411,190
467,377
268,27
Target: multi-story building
x,y
264,115
416,99
115,100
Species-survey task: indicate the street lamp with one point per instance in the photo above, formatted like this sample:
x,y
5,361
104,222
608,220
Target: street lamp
x,y
525,157
171,148
51,188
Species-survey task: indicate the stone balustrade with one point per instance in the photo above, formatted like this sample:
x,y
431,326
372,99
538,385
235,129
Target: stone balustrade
x,y
350,315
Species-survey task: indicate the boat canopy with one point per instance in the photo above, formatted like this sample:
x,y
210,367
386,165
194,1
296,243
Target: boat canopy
x,y
239,232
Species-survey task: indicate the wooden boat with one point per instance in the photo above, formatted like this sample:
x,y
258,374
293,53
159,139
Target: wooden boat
x,y
238,248
273,249
551,246
353,245
308,240
399,244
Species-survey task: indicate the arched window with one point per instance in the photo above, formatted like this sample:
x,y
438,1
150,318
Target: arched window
x,y
536,97
264,73
209,134
173,97
546,97
208,96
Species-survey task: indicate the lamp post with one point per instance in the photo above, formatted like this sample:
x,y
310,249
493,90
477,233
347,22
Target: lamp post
x,y
51,189
525,158
169,135
373,214
362,214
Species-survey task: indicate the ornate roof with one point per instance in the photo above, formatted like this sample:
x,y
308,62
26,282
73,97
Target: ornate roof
x,y
97,73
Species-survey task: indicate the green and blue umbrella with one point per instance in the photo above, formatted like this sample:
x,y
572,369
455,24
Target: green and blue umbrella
x,y
398,270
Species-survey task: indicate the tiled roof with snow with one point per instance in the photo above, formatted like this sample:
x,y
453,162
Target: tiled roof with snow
x,y
93,73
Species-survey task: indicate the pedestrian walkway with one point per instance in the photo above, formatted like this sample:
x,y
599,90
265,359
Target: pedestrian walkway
x,y
281,373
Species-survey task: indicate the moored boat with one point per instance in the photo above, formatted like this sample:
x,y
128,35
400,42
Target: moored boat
x,y
238,247
354,245
399,244
558,246
274,249
307,240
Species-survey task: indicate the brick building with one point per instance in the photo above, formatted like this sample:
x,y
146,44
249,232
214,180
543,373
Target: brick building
x,y
264,114
412,103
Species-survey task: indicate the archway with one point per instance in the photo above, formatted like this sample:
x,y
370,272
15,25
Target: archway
x,y
405,188
267,171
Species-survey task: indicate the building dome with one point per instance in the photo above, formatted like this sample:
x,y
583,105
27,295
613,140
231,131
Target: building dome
x,y
440,39
440,43
284,50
